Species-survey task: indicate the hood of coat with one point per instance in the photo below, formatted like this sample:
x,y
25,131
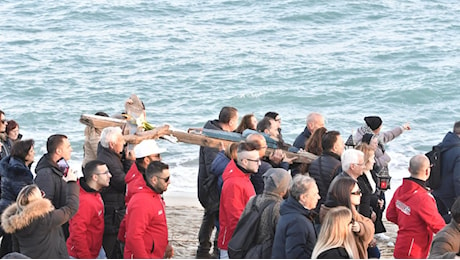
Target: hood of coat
x,y
45,162
450,139
12,220
213,124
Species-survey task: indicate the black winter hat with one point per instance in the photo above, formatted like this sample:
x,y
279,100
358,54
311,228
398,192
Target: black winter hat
x,y
373,122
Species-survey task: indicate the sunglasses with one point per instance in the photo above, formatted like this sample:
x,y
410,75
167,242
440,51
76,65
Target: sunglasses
x,y
165,179
358,192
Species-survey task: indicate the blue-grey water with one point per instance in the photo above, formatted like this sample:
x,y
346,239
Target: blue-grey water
x,y
186,59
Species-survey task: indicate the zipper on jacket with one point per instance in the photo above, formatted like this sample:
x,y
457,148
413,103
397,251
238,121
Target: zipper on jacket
x,y
153,247
410,248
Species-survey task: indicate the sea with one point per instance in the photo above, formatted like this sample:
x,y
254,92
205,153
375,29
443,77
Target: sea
x,y
399,60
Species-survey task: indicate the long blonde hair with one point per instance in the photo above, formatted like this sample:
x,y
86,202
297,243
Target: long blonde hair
x,y
336,232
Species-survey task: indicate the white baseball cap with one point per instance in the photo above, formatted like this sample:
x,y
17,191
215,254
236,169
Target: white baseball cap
x,y
146,148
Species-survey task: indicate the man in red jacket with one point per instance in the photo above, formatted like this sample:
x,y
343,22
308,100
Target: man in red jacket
x,y
236,191
146,227
86,228
414,210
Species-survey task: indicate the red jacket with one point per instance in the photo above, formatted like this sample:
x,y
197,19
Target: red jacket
x,y
133,180
236,192
146,227
414,210
86,228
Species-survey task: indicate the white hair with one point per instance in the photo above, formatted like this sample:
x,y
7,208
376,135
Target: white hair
x,y
349,157
110,134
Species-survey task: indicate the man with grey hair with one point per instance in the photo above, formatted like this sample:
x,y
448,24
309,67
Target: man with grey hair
x,y
449,190
276,186
414,210
109,151
295,235
314,121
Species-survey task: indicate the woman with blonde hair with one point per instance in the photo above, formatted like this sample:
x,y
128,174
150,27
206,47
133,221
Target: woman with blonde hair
x,y
344,191
335,240
36,224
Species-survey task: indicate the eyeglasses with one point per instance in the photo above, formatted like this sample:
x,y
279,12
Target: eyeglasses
x,y
358,192
101,173
252,160
165,179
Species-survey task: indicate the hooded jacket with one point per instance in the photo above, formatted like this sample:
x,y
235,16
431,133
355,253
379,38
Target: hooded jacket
x,y
414,210
450,171
381,158
87,226
208,194
15,175
133,180
37,228
295,235
236,192
49,179
146,226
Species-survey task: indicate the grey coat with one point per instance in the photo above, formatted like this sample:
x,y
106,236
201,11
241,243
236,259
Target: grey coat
x,y
446,243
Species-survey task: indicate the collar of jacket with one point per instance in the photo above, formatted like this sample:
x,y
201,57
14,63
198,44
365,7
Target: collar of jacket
x,y
336,156
140,168
242,169
85,185
418,181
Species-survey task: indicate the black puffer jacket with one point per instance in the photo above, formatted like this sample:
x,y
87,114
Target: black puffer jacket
x,y
323,170
114,195
15,175
208,193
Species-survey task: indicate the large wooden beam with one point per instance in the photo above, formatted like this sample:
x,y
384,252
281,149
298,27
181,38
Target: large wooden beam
x,y
190,138
302,157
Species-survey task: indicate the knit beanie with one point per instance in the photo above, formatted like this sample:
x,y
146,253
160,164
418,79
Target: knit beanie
x,y
373,122
367,138
276,180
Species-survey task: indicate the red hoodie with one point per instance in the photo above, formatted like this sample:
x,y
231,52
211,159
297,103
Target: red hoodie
x,y
132,179
414,210
87,226
236,192
146,227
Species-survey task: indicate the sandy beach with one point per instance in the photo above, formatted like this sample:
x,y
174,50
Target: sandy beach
x,y
184,213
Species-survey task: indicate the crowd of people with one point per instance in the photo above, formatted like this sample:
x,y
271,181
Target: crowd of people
x,y
329,208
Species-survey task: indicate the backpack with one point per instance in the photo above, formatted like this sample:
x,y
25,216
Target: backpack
x,y
244,236
434,181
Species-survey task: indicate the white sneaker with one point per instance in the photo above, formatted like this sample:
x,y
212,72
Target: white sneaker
x,y
382,237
